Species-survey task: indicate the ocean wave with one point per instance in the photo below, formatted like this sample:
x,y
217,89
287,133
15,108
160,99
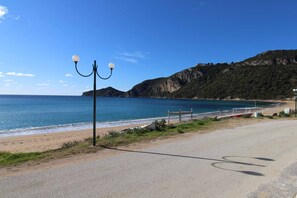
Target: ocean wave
x,y
73,127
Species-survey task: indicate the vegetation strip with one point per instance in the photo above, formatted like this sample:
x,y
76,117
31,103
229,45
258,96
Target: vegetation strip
x,y
157,130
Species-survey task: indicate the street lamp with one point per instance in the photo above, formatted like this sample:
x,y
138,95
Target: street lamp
x,y
295,94
75,59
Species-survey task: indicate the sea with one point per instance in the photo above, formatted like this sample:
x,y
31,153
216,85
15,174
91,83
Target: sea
x,y
24,115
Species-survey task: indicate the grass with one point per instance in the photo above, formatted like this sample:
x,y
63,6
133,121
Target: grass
x,y
7,159
139,135
112,139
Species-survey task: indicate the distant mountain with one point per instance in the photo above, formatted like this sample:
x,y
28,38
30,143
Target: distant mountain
x,y
106,92
269,75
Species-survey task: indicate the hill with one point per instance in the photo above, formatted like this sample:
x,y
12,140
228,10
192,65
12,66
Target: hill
x,y
106,92
269,75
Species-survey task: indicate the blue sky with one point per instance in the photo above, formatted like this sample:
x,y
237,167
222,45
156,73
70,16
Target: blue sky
x,y
144,38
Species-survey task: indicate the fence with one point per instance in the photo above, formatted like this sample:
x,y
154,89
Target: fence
x,y
247,110
180,113
189,115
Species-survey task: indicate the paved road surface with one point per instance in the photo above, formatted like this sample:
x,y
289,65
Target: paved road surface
x,y
236,162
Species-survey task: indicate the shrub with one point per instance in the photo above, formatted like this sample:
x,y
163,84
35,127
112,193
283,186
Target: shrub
x,y
201,123
69,144
270,116
160,125
112,134
282,113
157,126
287,115
246,116
180,131
171,126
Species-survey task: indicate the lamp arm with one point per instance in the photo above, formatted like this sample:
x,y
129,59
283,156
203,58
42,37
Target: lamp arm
x,y
81,73
103,77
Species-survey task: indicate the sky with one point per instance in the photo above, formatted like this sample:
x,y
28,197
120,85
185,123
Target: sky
x,y
145,39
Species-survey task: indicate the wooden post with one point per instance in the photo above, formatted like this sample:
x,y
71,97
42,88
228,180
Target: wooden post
x,y
168,116
180,115
191,114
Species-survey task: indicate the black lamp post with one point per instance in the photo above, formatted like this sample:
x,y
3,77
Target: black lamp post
x,y
75,59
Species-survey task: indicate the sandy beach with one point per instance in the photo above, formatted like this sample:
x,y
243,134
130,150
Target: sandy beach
x,y
43,142
48,141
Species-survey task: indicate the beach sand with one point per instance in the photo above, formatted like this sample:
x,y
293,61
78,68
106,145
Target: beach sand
x,y
43,142
49,141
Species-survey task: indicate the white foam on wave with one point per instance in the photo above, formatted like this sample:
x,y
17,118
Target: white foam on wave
x,y
73,127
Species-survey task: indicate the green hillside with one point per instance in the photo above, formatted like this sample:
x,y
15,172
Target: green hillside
x,y
269,75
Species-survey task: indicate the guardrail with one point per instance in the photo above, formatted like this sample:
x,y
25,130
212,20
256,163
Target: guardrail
x,y
189,115
180,113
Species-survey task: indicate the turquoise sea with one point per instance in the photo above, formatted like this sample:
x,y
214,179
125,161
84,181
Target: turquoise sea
x,y
21,115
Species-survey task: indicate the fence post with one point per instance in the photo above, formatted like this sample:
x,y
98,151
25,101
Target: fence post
x,y
180,115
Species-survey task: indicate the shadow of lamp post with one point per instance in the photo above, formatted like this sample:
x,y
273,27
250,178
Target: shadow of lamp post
x,y
295,97
75,59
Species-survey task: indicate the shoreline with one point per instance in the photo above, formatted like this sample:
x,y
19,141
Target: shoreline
x,y
82,126
49,141
54,140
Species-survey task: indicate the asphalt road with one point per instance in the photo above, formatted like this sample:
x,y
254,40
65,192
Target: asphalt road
x,y
240,162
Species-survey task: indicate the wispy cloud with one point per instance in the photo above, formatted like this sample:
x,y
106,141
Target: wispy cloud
x,y
8,80
19,74
43,84
87,88
1,75
69,75
63,82
131,57
3,12
137,54
16,17
130,60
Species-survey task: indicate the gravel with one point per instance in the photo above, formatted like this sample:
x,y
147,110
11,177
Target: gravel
x,y
284,186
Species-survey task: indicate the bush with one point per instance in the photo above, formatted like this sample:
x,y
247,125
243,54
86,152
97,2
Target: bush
x,y
246,116
180,131
282,113
270,116
69,144
160,125
157,126
112,134
171,126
